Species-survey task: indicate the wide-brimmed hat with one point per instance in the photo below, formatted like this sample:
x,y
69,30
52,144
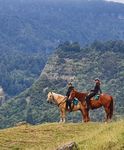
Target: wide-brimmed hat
x,y
97,79
69,83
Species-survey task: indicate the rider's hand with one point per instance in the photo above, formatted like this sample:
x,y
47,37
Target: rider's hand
x,y
66,97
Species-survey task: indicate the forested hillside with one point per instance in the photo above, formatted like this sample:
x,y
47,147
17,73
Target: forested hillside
x,y
38,26
18,70
70,62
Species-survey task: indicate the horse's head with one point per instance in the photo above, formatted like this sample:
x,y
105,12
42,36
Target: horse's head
x,y
72,94
50,98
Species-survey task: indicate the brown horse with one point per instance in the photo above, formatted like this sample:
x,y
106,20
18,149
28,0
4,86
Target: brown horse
x,y
60,101
105,100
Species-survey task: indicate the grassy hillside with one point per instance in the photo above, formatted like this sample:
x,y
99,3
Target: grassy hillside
x,y
91,136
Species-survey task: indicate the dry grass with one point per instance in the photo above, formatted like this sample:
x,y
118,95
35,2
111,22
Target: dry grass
x,y
91,136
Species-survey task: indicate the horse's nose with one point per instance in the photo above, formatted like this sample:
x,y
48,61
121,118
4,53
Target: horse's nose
x,y
47,101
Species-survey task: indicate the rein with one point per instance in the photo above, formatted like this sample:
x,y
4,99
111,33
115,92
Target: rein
x,y
61,102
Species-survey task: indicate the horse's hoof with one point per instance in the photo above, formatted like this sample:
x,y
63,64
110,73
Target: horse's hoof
x,y
60,121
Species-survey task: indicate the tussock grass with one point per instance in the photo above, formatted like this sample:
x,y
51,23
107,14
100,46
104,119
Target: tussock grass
x,y
90,136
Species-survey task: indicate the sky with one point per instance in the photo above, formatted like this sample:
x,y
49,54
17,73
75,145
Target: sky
x,y
119,1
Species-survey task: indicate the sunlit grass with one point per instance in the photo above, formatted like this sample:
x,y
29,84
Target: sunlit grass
x,y
91,136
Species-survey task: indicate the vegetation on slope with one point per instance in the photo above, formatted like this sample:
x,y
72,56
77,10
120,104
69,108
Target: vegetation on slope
x,y
95,136
37,26
70,61
18,70
34,25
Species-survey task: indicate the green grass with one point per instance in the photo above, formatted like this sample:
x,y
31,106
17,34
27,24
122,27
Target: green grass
x,y
90,136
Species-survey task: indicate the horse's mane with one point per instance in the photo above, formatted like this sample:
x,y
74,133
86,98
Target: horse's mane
x,y
84,93
57,94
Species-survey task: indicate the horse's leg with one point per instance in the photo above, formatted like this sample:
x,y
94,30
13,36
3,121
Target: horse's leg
x,y
61,116
85,115
111,108
64,117
107,110
63,112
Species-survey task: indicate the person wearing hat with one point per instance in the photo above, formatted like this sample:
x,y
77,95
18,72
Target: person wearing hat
x,y
68,102
93,92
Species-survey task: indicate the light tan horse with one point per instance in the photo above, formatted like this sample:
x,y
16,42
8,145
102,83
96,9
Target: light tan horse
x,y
60,101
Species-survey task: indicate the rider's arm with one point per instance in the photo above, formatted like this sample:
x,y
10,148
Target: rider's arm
x,y
100,90
68,93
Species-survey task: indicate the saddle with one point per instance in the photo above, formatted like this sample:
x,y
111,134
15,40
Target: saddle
x,y
96,97
75,101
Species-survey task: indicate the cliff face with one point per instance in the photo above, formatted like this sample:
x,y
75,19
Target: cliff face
x,y
59,68
81,67
31,29
75,64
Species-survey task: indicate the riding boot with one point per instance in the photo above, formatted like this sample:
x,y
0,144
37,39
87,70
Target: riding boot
x,y
70,106
67,104
88,107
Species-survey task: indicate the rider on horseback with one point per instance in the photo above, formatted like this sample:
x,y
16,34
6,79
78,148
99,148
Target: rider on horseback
x,y
68,102
93,92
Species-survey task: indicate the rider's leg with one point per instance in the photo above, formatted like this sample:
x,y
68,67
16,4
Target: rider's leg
x,y
88,99
69,104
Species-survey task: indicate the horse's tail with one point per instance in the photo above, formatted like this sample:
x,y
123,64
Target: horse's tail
x,y
111,107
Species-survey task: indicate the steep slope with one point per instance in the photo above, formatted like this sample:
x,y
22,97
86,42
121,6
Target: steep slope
x,y
38,26
70,62
18,70
51,136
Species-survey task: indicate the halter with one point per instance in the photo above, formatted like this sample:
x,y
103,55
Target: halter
x,y
58,104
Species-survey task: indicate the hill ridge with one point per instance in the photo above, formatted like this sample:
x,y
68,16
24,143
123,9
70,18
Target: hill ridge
x,y
50,136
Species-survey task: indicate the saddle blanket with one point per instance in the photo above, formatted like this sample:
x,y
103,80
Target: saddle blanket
x,y
96,97
75,101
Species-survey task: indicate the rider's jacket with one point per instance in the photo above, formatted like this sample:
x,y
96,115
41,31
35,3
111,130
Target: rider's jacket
x,y
69,91
97,89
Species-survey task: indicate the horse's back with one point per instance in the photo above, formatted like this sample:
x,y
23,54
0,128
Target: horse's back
x,y
106,96
62,96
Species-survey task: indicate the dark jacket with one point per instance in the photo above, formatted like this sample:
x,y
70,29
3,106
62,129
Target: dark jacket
x,y
69,91
97,89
